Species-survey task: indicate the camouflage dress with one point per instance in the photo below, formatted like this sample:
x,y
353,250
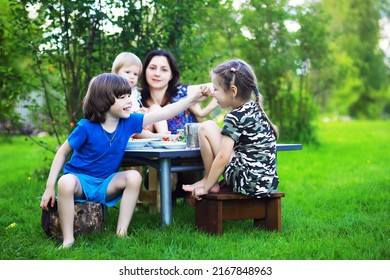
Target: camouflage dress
x,y
252,170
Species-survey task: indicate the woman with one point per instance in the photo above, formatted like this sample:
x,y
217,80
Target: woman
x,y
160,87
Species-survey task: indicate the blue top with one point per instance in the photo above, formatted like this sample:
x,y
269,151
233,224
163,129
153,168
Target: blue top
x,y
180,120
93,154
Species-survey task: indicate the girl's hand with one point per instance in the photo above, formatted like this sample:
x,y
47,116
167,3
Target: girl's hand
x,y
199,93
198,192
205,90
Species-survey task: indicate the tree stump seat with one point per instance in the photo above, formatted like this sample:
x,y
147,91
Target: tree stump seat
x,y
214,208
88,217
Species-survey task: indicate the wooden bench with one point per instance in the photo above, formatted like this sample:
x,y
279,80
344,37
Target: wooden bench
x,y
214,208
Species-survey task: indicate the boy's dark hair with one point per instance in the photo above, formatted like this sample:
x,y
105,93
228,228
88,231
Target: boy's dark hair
x,y
101,94
171,90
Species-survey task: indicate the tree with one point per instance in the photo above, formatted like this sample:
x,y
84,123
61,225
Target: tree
x,y
15,77
278,54
331,58
368,58
80,39
360,72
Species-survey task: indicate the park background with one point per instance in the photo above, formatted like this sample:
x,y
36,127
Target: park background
x,y
323,69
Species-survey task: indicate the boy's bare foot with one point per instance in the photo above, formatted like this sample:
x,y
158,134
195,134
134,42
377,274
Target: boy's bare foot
x,y
121,233
66,246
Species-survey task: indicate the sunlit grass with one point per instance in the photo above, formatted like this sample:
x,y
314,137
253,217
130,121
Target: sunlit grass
x,y
337,206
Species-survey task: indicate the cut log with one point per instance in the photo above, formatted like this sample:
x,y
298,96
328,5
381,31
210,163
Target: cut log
x,y
88,217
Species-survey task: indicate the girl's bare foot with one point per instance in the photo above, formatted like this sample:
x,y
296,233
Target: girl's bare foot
x,y
190,188
191,200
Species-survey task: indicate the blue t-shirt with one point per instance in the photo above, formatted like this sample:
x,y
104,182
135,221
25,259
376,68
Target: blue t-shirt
x,y
93,155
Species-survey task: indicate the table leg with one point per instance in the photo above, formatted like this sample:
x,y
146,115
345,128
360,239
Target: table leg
x,y
166,196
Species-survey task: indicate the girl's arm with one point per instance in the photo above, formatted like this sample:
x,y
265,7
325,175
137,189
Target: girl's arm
x,y
56,167
196,109
200,112
166,112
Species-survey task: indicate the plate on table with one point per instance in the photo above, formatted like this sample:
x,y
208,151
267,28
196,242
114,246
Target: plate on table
x,y
157,144
175,145
150,139
135,144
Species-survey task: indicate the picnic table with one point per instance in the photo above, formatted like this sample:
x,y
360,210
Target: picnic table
x,y
174,160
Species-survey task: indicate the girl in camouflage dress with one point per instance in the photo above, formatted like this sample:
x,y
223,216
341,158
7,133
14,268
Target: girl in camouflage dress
x,y
244,151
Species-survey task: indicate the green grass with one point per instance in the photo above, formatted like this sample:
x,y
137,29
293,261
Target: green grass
x,y
337,207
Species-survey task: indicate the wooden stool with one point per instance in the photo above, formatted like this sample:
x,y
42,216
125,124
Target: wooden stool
x,y
214,208
88,217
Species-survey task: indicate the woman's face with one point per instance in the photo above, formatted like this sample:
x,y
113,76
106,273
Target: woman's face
x,y
158,73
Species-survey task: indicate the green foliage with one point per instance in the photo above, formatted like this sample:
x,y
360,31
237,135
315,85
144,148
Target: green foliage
x,y
329,64
285,61
364,75
215,33
15,78
72,41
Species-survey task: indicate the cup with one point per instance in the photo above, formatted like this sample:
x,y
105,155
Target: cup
x,y
191,134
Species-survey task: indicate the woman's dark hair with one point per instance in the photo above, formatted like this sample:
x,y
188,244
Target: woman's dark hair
x,y
101,94
171,90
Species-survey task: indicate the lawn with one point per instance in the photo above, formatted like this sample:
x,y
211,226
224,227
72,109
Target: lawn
x,y
337,207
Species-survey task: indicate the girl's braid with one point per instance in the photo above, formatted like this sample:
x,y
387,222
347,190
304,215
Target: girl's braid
x,y
244,79
250,82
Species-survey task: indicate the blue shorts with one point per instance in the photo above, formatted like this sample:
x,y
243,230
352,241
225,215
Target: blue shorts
x,y
95,189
